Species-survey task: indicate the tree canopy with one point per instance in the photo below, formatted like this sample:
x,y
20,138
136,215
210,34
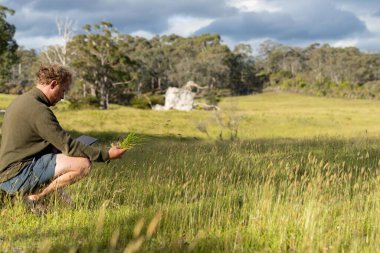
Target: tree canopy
x,y
8,45
115,67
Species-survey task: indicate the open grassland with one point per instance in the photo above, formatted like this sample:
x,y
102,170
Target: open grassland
x,y
304,176
260,116
5,100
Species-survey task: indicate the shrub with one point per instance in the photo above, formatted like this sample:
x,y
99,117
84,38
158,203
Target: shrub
x,y
84,103
146,102
157,99
212,97
122,98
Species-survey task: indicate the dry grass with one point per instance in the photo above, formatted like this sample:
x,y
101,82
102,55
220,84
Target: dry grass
x,y
301,193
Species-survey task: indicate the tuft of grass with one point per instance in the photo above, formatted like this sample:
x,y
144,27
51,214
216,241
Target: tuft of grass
x,y
130,141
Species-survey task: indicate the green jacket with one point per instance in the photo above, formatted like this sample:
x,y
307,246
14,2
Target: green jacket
x,y
31,129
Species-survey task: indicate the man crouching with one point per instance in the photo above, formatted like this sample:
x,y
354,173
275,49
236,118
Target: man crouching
x,y
31,133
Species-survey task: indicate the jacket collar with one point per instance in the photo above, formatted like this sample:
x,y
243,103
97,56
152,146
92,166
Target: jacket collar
x,y
40,96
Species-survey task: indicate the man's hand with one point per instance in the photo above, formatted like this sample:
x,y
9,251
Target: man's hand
x,y
116,153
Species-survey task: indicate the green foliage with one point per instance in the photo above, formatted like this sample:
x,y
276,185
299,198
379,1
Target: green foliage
x,y
122,98
21,72
147,101
114,66
157,99
97,58
212,96
84,103
243,73
140,102
324,70
8,45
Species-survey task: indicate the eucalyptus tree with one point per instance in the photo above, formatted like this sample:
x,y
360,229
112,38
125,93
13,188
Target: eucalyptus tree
x,y
58,53
202,59
243,72
98,60
27,64
150,60
8,45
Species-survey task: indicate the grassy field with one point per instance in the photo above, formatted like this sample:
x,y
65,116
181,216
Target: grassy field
x,y
302,177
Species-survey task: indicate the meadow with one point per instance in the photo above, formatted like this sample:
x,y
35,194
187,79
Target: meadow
x,y
301,176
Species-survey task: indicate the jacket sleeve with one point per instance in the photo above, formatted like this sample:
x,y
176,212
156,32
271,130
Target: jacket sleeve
x,y
51,131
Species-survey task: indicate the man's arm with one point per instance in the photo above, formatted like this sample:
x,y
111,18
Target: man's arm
x,y
50,130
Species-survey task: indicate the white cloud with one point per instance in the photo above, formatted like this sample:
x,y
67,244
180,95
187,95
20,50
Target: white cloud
x,y
185,26
353,42
254,5
38,42
372,23
144,34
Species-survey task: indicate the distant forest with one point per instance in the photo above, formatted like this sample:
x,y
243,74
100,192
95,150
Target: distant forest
x,y
111,67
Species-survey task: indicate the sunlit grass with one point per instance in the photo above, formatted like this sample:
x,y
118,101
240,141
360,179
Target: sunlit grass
x,y
5,100
261,116
303,178
289,115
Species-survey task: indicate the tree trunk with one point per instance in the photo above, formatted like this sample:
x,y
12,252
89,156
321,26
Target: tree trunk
x,y
159,83
93,90
152,83
84,90
103,97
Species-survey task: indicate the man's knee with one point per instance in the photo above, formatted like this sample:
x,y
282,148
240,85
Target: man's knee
x,y
85,166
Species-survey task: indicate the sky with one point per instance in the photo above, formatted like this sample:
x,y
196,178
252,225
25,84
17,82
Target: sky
x,y
340,23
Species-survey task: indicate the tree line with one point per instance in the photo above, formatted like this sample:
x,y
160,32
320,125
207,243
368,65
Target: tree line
x,y
114,67
320,70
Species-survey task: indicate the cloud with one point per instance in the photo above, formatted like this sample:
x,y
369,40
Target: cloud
x,y
185,26
127,15
254,5
304,21
296,21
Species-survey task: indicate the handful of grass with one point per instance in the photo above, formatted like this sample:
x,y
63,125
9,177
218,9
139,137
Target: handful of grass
x,y
130,141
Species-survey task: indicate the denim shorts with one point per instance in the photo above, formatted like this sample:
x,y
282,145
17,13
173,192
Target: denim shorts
x,y
34,176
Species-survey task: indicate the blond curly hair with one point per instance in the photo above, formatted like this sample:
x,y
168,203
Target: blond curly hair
x,y
51,72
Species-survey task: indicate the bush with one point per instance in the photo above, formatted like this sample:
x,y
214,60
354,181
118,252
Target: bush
x,y
157,99
84,103
146,102
122,98
15,89
140,102
212,97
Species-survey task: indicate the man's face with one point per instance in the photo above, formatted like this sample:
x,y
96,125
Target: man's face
x,y
58,92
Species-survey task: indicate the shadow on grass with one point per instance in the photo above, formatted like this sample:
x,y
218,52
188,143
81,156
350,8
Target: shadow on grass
x,y
109,137
324,148
88,236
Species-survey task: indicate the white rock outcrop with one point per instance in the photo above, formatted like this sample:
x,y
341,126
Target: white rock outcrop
x,y
180,99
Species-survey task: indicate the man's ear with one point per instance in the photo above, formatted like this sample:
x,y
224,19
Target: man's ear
x,y
53,83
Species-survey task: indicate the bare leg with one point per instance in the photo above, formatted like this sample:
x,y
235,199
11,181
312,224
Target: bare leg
x,y
67,171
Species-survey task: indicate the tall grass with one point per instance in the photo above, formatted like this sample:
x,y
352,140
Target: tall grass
x,y
264,195
315,194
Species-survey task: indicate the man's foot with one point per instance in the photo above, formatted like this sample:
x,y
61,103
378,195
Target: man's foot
x,y
35,206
